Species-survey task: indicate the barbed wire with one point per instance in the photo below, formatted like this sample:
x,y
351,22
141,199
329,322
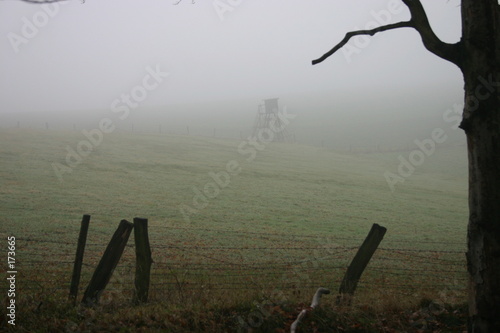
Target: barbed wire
x,y
247,267
263,234
283,235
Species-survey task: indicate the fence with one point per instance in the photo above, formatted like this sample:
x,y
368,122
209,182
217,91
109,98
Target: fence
x,y
211,265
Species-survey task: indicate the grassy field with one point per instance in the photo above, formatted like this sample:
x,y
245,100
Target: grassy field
x,y
232,225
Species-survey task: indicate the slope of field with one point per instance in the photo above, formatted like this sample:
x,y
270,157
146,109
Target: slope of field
x,y
232,216
287,188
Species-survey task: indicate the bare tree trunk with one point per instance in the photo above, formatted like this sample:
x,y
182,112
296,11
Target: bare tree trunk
x,y
481,31
483,256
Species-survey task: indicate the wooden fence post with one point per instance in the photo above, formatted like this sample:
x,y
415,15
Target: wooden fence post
x,y
143,260
359,263
77,267
108,263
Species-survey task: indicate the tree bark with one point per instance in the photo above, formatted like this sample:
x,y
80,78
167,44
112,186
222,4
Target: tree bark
x,y
481,123
483,256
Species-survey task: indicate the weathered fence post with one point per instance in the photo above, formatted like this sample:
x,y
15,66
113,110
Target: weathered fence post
x,y
108,263
359,263
143,260
77,267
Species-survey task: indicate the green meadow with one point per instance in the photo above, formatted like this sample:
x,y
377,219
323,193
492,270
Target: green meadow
x,y
230,221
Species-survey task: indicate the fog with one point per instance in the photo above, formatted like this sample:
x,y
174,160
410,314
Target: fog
x,y
204,68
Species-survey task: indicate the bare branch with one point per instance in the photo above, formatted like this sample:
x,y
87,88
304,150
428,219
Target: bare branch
x,y
418,21
450,52
179,1
44,1
315,303
349,35
317,296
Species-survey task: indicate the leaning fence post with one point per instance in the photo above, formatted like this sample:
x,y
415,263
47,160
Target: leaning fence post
x,y
143,260
77,267
107,265
359,263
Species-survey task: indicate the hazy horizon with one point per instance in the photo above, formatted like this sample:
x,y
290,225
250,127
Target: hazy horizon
x,y
209,66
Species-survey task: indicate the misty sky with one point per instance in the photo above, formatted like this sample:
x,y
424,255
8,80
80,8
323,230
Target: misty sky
x,y
74,56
